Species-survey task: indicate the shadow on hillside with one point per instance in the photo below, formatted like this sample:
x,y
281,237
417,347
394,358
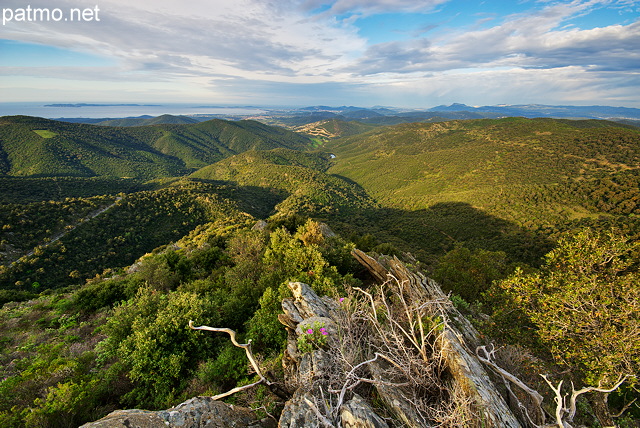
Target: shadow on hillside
x,y
429,233
260,202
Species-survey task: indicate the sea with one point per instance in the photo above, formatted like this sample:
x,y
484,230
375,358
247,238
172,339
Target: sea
x,y
104,110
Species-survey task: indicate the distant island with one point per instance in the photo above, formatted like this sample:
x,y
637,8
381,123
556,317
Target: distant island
x,y
102,105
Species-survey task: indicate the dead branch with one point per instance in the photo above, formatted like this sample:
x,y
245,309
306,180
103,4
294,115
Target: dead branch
x,y
506,376
326,422
624,408
575,394
487,359
348,379
247,349
236,389
570,411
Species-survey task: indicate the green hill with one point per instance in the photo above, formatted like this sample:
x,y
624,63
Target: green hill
x,y
159,120
54,244
40,147
298,176
524,170
100,274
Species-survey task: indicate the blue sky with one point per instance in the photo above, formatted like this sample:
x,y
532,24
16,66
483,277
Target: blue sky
x,y
404,53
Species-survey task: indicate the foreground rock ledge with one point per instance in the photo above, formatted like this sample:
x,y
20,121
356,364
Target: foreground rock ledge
x,y
198,412
456,343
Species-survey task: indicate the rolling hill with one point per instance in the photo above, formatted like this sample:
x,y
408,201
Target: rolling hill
x,y
300,178
520,169
101,274
146,121
40,147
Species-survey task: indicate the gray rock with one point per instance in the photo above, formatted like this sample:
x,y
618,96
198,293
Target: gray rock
x,y
260,225
307,301
297,412
198,412
358,414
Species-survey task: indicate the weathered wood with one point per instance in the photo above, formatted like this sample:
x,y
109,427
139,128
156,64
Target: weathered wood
x,y
456,341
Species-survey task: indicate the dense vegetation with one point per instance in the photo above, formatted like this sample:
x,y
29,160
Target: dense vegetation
x,y
67,149
515,217
123,341
160,120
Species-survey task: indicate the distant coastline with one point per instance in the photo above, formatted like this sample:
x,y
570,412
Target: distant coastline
x,y
77,105
119,110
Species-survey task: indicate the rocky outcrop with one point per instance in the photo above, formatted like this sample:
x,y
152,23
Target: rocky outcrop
x,y
198,412
325,382
312,374
457,342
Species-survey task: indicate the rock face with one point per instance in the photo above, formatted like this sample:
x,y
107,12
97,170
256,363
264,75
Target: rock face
x,y
198,412
325,382
456,343
314,403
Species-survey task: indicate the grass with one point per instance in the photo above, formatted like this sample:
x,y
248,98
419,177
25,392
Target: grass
x,y
45,133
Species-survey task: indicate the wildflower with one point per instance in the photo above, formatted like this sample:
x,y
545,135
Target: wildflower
x,y
310,331
341,299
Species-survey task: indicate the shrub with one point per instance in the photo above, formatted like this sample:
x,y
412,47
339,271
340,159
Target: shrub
x,y
313,337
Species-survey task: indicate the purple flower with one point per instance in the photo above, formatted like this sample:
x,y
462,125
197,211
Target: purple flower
x,y
324,333
310,331
341,299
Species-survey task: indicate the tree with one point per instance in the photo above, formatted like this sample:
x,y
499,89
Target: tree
x,y
585,304
470,273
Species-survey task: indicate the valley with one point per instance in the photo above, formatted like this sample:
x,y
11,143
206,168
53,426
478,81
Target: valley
x,y
115,235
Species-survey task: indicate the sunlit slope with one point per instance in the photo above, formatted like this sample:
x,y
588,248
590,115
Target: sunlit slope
x,y
204,143
39,147
333,128
497,165
299,176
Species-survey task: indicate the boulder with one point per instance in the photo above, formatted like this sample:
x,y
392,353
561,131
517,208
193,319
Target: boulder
x,y
198,412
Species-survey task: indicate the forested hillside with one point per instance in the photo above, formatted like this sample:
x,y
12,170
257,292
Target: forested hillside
x,y
535,172
40,147
113,238
136,121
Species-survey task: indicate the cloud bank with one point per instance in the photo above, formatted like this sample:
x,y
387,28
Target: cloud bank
x,y
292,52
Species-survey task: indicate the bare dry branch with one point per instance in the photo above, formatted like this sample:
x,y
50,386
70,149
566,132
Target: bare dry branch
x,y
237,389
575,394
325,421
247,349
487,359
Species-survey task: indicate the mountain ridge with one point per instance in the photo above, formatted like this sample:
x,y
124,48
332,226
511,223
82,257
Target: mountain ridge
x,y
41,147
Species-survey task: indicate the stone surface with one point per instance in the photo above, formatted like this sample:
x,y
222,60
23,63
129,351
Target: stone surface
x,y
358,414
456,343
297,412
260,225
309,373
198,412
307,301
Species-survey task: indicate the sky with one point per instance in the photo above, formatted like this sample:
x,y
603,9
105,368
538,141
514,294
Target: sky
x,y
401,53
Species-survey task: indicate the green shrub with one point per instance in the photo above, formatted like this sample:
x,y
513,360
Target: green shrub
x,y
313,337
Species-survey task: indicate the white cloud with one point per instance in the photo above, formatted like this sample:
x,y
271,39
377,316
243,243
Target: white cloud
x,y
239,49
252,37
524,40
368,7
